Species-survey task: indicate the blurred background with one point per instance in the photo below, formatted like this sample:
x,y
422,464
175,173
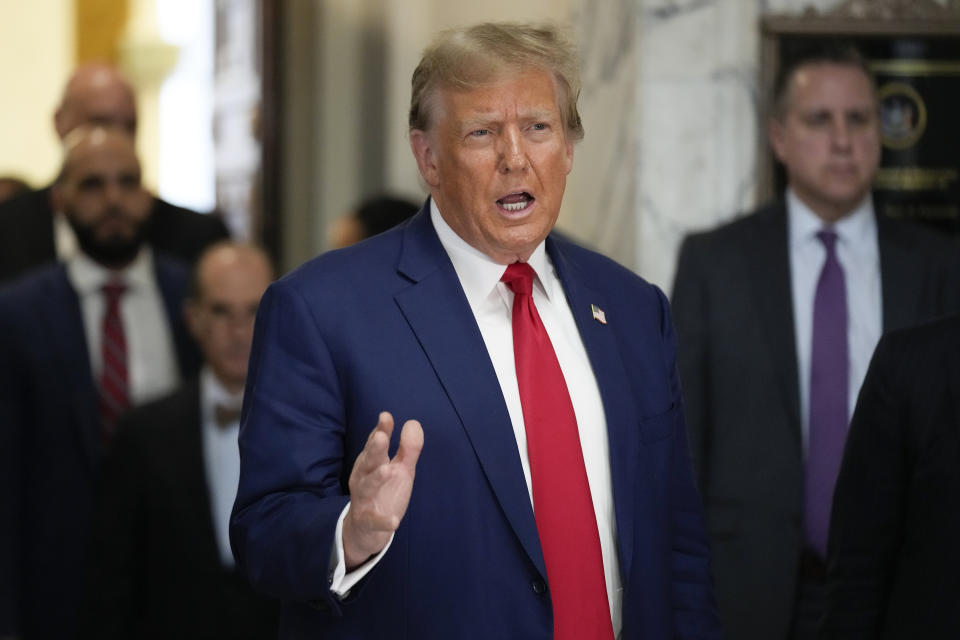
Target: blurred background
x,y
282,114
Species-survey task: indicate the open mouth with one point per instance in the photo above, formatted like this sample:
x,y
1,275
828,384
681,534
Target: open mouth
x,y
515,202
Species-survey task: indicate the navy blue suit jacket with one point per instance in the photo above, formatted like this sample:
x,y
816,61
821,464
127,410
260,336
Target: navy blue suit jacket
x,y
50,445
385,325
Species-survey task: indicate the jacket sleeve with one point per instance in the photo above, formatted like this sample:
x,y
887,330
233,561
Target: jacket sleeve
x,y
694,605
292,484
690,317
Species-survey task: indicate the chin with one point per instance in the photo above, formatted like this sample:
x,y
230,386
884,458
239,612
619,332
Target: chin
x,y
848,199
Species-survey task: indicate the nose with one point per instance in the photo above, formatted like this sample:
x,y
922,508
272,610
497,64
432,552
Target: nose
x,y
513,155
112,191
840,135
241,326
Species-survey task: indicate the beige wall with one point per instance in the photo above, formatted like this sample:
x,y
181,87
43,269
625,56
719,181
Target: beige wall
x,y
36,45
37,50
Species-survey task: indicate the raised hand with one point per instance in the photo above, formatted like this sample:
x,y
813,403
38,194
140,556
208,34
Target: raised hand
x,y
380,489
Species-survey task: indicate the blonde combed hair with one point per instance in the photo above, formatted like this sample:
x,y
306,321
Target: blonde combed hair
x,y
478,55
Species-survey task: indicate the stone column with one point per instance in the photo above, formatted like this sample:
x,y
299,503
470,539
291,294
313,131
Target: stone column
x,y
147,60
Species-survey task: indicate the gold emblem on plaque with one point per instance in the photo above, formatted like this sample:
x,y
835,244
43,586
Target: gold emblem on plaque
x,y
903,115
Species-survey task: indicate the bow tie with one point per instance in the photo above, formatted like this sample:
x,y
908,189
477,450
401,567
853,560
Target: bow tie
x,y
226,415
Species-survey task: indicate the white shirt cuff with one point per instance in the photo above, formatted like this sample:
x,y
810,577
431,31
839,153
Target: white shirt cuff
x,y
340,581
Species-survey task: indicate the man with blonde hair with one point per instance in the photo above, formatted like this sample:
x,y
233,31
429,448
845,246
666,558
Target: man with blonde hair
x,y
534,379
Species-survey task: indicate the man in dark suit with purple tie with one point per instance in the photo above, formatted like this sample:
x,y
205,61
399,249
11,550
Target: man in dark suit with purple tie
x,y
777,315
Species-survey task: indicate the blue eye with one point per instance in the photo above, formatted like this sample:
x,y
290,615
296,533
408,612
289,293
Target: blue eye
x,y
540,126
479,132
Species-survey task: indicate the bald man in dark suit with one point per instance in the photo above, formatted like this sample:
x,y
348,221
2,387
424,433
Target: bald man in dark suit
x,y
33,233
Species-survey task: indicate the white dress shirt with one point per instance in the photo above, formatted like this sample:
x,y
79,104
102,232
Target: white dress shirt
x,y
151,360
491,302
859,256
221,458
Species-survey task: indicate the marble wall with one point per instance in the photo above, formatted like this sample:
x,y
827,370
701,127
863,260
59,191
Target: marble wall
x,y
699,120
600,204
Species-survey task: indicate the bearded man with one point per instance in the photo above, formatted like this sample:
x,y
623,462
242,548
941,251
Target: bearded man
x,y
83,340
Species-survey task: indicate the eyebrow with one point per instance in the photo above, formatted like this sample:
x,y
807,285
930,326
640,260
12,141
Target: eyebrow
x,y
488,117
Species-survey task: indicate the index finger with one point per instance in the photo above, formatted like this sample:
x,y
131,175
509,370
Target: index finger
x,y
375,452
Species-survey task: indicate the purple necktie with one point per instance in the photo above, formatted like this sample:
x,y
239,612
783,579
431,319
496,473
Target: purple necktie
x,y
829,384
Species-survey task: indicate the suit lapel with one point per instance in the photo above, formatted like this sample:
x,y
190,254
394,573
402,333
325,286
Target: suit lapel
x,y
901,277
186,446
767,265
69,337
620,412
437,311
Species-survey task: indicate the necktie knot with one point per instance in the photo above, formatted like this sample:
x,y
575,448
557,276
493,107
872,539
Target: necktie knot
x,y
225,415
113,290
829,239
519,277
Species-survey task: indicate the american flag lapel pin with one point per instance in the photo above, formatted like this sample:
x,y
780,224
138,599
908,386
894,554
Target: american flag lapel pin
x,y
598,314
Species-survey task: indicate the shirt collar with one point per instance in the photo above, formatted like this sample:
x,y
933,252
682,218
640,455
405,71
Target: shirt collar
x,y
214,393
479,274
854,229
88,276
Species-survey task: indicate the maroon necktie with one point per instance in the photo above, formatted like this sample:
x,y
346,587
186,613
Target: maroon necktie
x,y
566,521
114,397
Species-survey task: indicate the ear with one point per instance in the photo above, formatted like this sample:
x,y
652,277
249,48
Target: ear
x,y
569,156
191,317
422,146
57,197
775,134
60,123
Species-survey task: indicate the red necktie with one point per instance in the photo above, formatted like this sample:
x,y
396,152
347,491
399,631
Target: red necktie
x,y
562,505
114,398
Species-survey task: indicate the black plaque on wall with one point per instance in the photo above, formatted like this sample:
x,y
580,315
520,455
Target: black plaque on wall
x,y
918,81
